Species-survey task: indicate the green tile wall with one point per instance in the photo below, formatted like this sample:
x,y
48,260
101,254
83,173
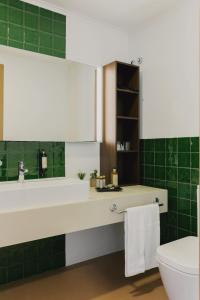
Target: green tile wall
x,y
174,164
32,28
20,261
12,152
23,260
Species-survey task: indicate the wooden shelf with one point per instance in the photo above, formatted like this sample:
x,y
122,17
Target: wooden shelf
x,y
128,91
127,118
121,122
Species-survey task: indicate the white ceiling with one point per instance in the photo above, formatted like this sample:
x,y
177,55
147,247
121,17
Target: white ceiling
x,y
122,13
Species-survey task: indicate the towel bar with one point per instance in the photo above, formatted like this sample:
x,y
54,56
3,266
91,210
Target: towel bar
x,y
115,209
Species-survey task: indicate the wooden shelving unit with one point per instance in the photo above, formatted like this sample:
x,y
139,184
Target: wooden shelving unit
x,y
121,122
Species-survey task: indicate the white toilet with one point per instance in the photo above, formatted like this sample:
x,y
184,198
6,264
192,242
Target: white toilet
x,y
179,268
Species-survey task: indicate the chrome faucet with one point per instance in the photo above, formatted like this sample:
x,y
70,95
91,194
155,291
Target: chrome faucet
x,y
21,171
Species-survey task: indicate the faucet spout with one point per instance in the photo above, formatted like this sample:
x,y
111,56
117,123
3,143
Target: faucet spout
x,y
21,171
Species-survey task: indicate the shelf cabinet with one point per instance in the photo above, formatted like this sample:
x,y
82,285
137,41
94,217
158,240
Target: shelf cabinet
x,y
121,122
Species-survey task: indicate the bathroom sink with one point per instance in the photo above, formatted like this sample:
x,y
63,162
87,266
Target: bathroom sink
x,y
41,192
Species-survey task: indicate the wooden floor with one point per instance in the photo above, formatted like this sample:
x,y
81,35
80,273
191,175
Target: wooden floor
x,y
100,279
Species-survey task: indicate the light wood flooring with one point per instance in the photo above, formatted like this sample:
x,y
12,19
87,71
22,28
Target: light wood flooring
x,y
99,279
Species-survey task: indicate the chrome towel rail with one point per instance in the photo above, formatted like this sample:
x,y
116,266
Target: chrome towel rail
x,y
114,207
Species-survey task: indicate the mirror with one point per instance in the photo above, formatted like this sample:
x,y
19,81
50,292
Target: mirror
x,y
47,98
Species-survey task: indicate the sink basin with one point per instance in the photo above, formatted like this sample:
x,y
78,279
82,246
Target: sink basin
x,y
41,192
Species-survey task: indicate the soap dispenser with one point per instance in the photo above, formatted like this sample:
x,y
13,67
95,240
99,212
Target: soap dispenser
x,y
43,163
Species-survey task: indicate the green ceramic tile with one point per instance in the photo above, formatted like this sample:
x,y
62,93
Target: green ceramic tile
x,y
4,2
194,209
149,182
13,159
4,257
59,172
171,174
59,28
31,47
184,191
33,173
15,272
32,21
30,268
12,174
184,206
172,145
16,44
3,158
149,158
45,263
3,275
3,30
3,41
172,203
46,13
184,175
16,16
195,144
31,8
3,147
59,17
31,37
183,233
171,159
149,145
30,251
160,183
15,255
160,173
193,190
3,12
59,43
184,222
149,171
195,176
45,40
59,158
172,218
58,244
16,3
60,54
194,225
184,160
160,145
46,25
172,188
172,233
31,147
59,260
195,160
16,33
3,174
160,158
184,145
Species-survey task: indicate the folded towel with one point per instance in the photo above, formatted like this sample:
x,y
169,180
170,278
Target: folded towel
x,y
142,237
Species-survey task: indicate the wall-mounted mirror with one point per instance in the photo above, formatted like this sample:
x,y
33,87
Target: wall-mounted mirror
x,y
46,98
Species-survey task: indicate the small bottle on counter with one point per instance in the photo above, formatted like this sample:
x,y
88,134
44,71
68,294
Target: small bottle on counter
x,y
114,177
98,182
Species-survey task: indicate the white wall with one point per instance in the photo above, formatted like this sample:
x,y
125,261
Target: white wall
x,y
169,46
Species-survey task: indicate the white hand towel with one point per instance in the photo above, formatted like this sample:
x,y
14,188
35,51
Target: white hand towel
x,y
142,237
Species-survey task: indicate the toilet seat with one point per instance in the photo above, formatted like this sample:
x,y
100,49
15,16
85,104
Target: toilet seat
x,y
181,255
